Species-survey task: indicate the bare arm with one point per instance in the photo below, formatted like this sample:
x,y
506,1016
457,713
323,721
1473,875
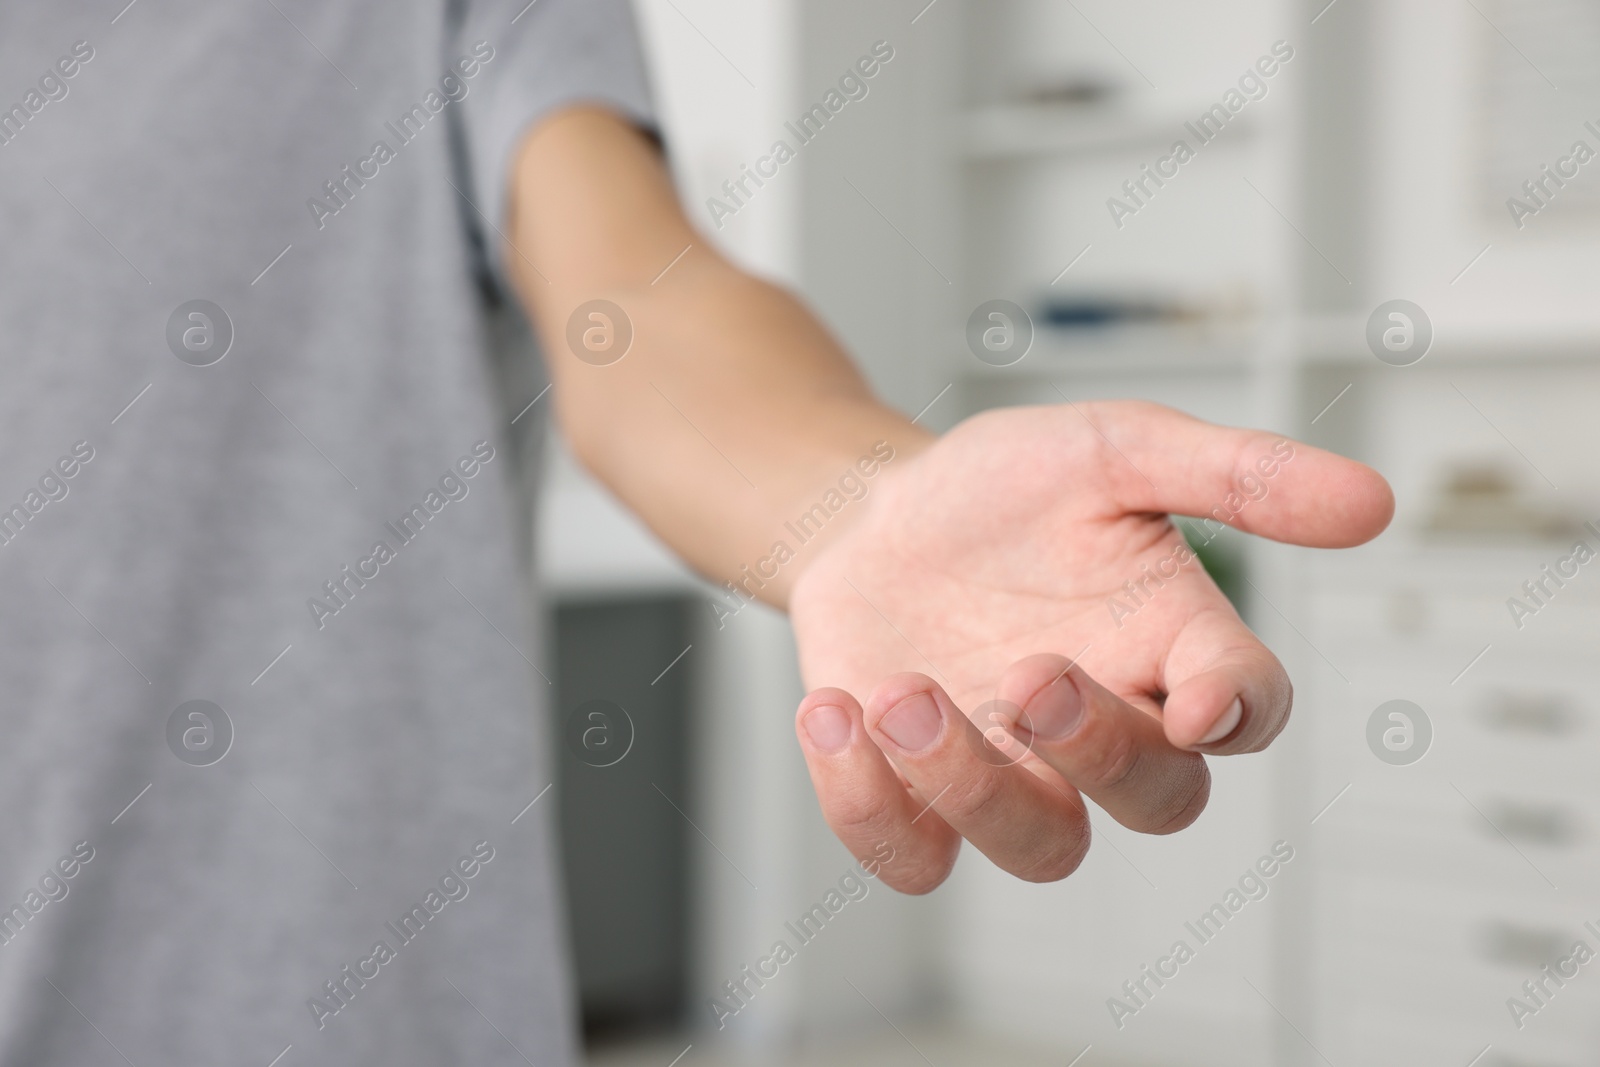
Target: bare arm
x,y
1022,569
734,409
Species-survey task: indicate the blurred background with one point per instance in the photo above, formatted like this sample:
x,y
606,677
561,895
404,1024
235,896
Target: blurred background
x,y
1436,790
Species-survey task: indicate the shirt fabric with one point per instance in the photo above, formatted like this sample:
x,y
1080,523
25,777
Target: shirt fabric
x,y
306,510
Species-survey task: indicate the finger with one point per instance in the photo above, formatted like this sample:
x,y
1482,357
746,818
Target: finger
x,y
1259,482
1226,693
1037,830
1110,750
864,800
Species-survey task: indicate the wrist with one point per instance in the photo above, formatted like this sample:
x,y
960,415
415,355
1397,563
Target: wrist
x,y
838,502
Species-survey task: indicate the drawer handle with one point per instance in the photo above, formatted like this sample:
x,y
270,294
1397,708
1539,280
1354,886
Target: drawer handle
x,y
1522,947
1497,1060
1526,714
1533,824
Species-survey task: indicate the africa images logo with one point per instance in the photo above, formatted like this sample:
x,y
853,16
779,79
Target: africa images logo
x,y
452,887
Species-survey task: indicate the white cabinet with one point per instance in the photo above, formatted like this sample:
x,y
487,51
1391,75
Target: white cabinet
x,y
1445,884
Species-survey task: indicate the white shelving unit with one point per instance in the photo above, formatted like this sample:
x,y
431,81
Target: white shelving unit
x,y
1442,886
1410,917
1013,131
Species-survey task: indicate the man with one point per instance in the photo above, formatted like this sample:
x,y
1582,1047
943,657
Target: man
x,y
262,476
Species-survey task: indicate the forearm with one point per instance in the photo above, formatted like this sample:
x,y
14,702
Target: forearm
x,y
733,413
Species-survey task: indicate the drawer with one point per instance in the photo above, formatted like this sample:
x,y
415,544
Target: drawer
x,y
1507,723
1396,958
1533,841
1405,616
1437,592
1421,945
1378,1039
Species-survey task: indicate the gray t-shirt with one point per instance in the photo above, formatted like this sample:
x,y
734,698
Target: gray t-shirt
x,y
271,695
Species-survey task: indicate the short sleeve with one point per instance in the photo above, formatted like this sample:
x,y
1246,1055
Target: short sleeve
x,y
533,59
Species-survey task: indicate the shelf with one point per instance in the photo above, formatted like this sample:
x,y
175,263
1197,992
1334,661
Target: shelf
x,y
1012,130
1130,350
1340,340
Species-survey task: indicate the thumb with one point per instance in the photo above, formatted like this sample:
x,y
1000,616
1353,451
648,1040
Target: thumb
x,y
1262,483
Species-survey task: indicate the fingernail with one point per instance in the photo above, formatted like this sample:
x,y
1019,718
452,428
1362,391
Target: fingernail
x,y
828,727
1055,711
1228,723
913,724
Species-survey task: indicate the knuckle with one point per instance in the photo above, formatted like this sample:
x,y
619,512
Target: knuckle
x,y
1114,759
859,815
976,799
1244,472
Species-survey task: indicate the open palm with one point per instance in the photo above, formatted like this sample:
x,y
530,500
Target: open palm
x,y
1023,572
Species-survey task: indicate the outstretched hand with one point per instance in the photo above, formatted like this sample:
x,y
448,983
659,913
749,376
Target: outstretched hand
x,y
1013,619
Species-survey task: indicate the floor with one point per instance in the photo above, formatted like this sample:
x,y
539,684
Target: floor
x,y
916,1048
